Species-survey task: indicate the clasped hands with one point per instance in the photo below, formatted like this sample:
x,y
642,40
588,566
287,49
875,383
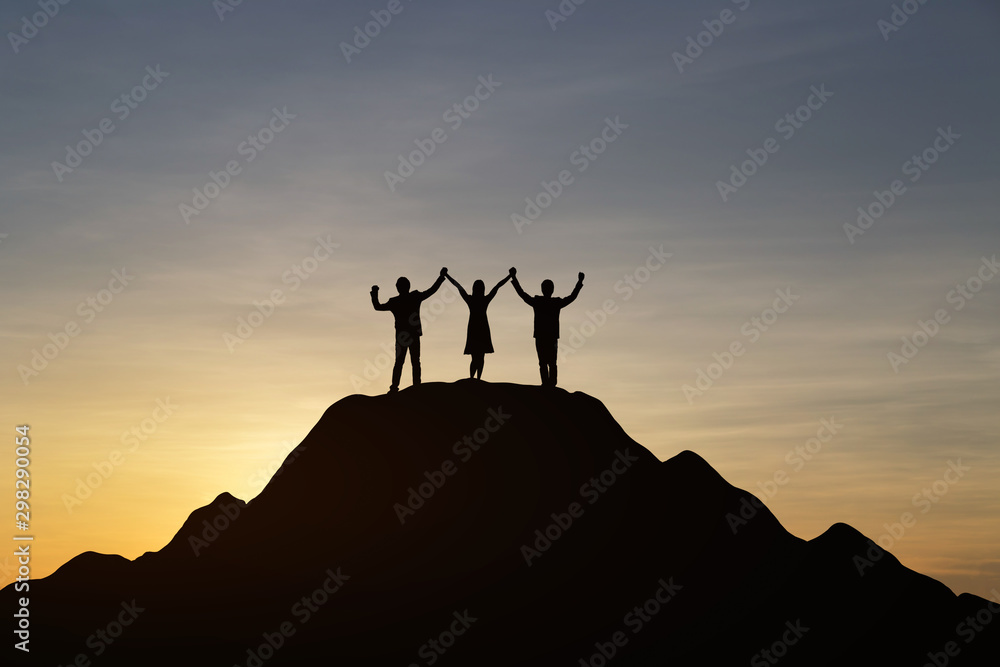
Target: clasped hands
x,y
444,272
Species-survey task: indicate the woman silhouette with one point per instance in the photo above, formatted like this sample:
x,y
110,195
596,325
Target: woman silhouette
x,y
478,341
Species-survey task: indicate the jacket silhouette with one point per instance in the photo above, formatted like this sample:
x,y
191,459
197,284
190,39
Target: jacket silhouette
x,y
405,309
546,327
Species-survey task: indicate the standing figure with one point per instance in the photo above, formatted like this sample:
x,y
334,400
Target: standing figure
x,y
478,341
546,331
405,308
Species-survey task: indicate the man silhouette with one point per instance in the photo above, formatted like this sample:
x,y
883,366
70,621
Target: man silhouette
x,y
546,330
405,308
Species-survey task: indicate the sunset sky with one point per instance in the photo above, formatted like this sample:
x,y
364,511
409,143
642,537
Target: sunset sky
x,y
131,270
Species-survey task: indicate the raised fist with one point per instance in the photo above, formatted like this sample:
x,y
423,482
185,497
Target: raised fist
x,y
374,288
581,276
513,271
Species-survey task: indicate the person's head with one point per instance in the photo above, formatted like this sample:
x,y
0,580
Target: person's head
x,y
548,287
478,288
402,285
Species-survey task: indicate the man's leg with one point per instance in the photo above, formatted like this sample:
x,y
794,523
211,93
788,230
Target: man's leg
x,y
543,366
397,368
550,350
415,359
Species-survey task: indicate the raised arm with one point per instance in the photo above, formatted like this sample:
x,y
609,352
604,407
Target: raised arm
x,y
576,291
437,283
461,290
517,286
378,306
493,292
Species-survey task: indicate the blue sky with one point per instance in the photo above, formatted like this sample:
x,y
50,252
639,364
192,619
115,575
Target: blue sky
x,y
890,96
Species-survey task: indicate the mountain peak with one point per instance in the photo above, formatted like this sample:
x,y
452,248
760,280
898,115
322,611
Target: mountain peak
x,y
524,517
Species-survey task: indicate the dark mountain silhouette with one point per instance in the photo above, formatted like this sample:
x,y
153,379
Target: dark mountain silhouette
x,y
644,569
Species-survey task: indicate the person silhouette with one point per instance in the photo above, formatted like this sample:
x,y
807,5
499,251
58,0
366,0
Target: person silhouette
x,y
478,341
405,308
546,330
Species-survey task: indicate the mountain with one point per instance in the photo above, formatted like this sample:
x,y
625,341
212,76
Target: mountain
x,y
494,524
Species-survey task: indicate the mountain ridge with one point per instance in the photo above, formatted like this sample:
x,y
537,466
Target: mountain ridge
x,y
529,509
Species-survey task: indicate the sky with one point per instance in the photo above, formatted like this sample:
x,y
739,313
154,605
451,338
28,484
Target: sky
x,y
785,211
